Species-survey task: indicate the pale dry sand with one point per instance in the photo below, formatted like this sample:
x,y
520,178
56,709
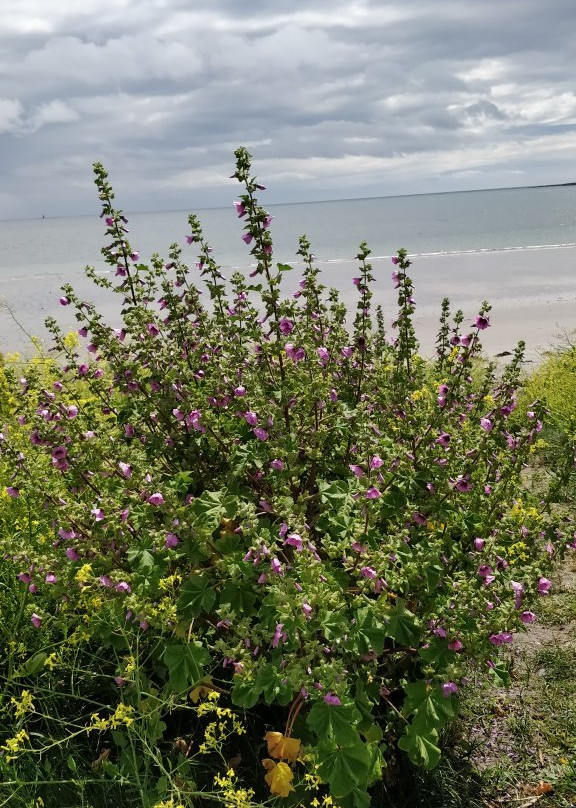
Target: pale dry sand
x,y
532,292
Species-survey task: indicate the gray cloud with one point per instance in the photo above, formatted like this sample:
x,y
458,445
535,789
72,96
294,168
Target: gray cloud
x,y
334,98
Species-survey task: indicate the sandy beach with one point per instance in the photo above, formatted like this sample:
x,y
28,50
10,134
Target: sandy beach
x,y
532,292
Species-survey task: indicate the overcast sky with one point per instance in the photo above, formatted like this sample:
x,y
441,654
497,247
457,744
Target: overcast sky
x,y
335,99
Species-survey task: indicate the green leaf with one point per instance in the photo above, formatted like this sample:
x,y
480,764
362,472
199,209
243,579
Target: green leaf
x,y
343,767
32,665
71,763
196,596
141,560
335,721
401,626
240,598
272,685
246,693
284,267
337,494
185,663
421,746
208,509
369,634
431,709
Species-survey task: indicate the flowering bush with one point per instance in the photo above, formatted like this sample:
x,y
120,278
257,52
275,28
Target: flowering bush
x,y
283,506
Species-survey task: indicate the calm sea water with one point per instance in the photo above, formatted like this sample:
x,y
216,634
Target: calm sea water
x,y
430,223
37,256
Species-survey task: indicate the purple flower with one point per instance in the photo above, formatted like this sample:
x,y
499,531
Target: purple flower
x,y
528,617
13,492
332,700
479,544
276,566
372,493
462,483
72,554
240,391
419,518
123,587
98,514
36,620
368,572
544,586
481,322
286,326
135,256
376,462
293,353
152,330
324,355
172,540
449,689
279,634
358,471
486,424
455,645
126,469
443,439
294,540
251,418
50,578
518,589
501,638
276,464
240,208
306,609
64,301
247,238
260,433
156,499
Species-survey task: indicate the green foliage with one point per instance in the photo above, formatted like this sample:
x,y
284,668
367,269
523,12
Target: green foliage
x,y
258,505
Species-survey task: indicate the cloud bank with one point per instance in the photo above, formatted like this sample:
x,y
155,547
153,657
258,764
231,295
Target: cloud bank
x,y
335,99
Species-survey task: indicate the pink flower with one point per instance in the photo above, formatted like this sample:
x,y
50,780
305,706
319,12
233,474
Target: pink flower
x,y
372,493
376,462
156,499
332,700
72,554
462,483
486,424
260,433
152,329
240,391
240,208
172,540
251,418
36,620
294,540
455,645
286,326
449,689
368,572
528,617
276,566
247,238
481,322
279,634
98,514
126,469
64,301
277,464
293,353
358,471
123,587
50,578
306,609
544,586
479,544
12,491
501,638
324,355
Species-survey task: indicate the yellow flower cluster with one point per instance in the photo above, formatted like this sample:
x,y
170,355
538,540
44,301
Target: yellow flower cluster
x,y
23,705
231,795
122,716
217,732
168,804
14,745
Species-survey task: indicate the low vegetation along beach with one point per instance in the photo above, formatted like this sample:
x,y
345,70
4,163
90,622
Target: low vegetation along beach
x,y
262,547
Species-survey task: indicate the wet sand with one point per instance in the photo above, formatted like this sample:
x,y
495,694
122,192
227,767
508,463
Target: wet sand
x,y
532,292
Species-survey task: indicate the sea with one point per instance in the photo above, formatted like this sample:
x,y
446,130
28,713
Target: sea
x,y
440,231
